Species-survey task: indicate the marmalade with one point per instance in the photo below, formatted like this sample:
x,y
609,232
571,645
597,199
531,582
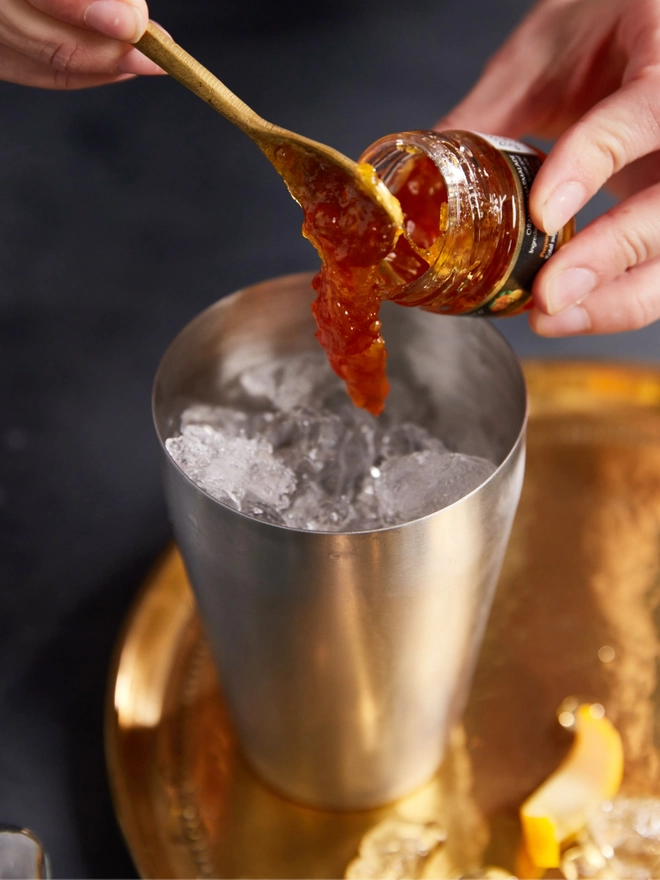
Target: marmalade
x,y
353,234
467,245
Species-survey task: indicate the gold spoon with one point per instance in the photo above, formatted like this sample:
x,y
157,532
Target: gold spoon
x,y
298,159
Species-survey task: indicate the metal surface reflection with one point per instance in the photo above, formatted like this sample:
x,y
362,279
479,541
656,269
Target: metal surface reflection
x,y
400,610
582,573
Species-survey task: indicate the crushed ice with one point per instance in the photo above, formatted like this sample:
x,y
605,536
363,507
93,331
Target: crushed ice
x,y
287,446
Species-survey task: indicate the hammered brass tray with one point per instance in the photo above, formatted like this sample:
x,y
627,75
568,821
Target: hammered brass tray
x,y
577,612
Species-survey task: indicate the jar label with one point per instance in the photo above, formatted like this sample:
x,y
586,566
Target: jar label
x,y
507,145
534,247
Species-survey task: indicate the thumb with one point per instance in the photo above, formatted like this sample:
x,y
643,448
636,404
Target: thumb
x,y
498,103
514,94
124,20
503,101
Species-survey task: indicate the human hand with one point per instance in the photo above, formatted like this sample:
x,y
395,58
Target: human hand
x,y
588,73
71,44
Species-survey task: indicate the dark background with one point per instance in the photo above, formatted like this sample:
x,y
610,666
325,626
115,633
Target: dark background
x,y
123,212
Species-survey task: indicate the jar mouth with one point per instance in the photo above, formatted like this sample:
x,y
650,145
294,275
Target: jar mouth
x,y
425,177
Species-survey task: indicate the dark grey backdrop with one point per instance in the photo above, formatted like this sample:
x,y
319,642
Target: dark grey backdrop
x,y
124,211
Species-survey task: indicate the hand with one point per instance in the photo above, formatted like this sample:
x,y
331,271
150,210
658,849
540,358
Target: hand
x,y
70,44
588,73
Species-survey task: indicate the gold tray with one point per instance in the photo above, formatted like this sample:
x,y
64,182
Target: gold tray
x,y
577,612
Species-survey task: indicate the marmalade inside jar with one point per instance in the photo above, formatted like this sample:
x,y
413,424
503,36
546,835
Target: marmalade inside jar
x,y
365,256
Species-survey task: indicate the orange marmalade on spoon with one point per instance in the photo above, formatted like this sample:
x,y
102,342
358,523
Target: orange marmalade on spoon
x,y
465,244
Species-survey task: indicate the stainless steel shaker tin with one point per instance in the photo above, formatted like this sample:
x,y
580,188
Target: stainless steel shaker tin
x,y
346,658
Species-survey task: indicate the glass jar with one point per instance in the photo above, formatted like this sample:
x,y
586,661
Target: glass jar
x,y
469,246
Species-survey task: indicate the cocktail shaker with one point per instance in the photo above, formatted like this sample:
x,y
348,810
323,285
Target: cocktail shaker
x,y
346,658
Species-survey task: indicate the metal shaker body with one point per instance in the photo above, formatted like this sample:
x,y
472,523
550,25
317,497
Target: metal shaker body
x,y
346,658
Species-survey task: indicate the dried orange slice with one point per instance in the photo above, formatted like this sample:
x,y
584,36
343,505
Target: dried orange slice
x,y
590,774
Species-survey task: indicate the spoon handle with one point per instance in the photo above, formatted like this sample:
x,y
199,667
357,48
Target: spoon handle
x,y
168,55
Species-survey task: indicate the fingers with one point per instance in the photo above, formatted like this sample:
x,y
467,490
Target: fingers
x,y
17,68
636,176
121,19
65,47
625,237
630,302
618,130
607,278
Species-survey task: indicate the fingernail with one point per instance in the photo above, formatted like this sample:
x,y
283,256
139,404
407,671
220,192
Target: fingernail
x,y
568,288
135,62
569,323
562,205
160,27
116,19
